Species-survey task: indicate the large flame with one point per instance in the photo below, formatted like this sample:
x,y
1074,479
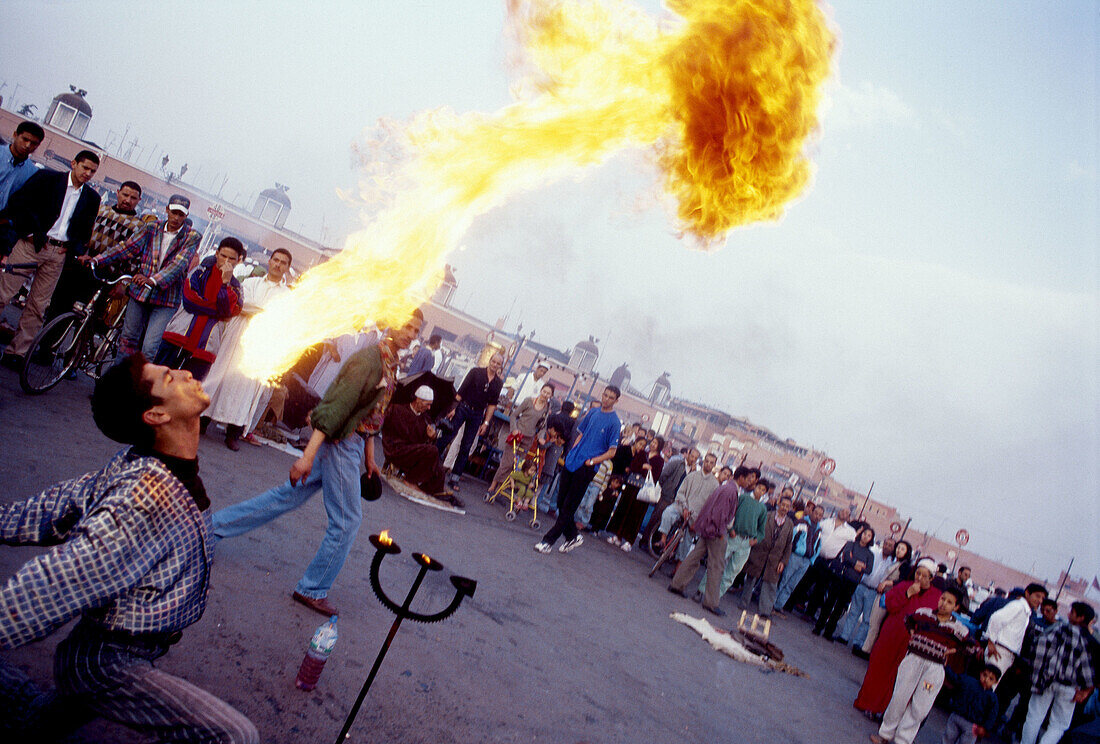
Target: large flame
x,y
727,93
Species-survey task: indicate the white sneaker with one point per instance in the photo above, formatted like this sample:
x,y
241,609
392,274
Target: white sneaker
x,y
574,543
614,541
543,548
626,547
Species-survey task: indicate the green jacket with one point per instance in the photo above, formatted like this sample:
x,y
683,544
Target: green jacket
x,y
351,396
750,518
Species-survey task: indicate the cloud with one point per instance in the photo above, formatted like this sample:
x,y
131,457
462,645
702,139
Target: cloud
x,y
960,395
1077,172
864,107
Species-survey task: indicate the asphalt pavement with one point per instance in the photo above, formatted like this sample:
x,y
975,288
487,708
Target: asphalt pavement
x,y
574,647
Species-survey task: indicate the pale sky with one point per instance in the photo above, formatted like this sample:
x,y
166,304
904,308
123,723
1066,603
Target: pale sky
x,y
927,312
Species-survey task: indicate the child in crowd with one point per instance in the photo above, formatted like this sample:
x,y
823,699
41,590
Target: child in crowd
x,y
973,706
605,503
934,635
523,481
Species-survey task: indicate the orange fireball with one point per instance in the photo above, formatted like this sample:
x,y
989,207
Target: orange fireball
x,y
726,93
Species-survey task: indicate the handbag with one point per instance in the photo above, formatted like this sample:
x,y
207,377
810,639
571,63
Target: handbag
x,y
650,493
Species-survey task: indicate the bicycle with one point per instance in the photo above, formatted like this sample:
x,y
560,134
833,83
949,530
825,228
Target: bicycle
x,y
72,342
676,534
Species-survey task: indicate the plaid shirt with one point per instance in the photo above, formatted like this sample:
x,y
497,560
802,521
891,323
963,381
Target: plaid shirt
x,y
112,228
1061,656
169,275
130,553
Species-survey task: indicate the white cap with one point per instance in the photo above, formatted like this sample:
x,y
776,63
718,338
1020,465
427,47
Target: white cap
x,y
425,393
928,563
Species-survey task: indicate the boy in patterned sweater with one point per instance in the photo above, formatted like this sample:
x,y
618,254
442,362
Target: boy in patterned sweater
x,y
934,635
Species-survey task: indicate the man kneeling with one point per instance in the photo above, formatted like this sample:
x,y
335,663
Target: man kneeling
x,y
131,556
407,441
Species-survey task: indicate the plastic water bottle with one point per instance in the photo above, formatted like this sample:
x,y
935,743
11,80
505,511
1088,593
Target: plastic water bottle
x,y
320,646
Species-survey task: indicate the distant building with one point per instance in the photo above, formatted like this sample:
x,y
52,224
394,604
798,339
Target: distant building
x,y
272,205
584,355
661,393
69,112
446,290
620,378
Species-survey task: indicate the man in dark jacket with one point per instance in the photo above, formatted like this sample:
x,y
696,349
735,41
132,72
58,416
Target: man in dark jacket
x,y
769,557
50,216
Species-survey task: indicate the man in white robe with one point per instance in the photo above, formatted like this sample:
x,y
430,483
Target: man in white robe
x,y
234,397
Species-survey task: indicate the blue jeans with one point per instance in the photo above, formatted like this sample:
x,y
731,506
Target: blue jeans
x,y
792,574
548,492
858,618
584,511
336,473
142,328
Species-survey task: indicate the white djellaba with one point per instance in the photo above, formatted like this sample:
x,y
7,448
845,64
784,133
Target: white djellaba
x,y
234,397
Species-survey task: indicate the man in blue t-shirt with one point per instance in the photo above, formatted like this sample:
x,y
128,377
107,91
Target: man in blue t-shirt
x,y
596,441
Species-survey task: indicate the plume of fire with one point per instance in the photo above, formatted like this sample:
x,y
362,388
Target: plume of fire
x,y
726,93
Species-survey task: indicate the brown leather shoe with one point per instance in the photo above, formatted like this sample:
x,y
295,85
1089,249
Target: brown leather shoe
x,y
320,604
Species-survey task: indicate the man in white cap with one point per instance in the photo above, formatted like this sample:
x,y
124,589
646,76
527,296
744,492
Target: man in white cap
x,y
407,441
164,250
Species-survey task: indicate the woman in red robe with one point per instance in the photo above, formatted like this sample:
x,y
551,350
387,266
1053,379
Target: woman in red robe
x,y
893,640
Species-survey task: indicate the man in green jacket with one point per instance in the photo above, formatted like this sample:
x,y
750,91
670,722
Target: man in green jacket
x,y
354,405
747,529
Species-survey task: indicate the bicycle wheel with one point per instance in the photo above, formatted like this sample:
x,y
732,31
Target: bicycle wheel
x,y
53,353
670,550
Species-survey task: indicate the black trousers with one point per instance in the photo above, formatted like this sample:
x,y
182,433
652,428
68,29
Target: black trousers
x,y
571,490
473,419
837,598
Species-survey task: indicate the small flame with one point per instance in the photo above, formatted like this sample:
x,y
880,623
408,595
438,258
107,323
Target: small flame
x,y
384,537
725,95
427,561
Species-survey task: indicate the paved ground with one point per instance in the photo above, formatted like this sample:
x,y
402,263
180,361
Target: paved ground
x,y
557,648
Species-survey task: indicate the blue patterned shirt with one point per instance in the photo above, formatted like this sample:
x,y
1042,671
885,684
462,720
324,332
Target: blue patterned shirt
x,y
130,553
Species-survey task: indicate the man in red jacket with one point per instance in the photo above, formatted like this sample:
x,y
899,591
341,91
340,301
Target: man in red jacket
x,y
211,296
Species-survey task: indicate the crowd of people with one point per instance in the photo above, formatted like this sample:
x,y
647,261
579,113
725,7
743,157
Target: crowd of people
x,y
132,542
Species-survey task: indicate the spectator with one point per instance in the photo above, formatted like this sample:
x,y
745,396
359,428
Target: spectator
x,y
475,403
427,357
806,542
973,705
902,570
211,296
526,425
16,167
893,640
235,398
769,556
628,516
114,225
856,622
49,217
164,251
933,636
596,440
1062,676
673,474
854,561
